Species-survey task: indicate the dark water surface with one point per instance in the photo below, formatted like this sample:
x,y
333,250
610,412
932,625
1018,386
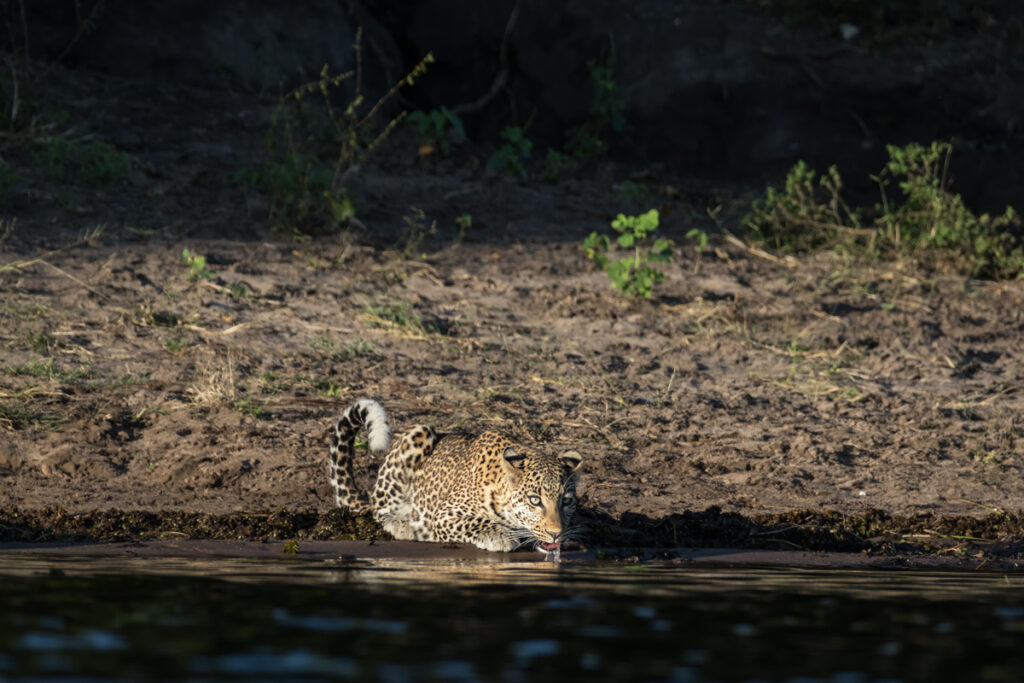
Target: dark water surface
x,y
93,619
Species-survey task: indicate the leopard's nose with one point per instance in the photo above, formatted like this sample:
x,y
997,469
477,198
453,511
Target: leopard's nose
x,y
554,533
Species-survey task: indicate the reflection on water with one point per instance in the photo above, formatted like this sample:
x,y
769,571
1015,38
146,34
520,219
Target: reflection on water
x,y
187,619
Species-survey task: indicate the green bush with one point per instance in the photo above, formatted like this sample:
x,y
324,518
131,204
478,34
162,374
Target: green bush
x,y
513,155
438,128
588,142
632,274
96,164
315,149
925,221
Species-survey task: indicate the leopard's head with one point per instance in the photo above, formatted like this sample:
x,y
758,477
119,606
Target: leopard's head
x,y
540,495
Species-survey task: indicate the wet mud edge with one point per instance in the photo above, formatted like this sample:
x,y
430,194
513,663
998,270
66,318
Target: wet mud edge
x,y
876,538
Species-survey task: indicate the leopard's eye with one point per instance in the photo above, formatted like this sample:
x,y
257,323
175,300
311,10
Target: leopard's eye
x,y
534,500
568,499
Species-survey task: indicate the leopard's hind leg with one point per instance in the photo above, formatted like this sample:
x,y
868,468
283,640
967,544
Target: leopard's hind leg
x,y
394,491
364,414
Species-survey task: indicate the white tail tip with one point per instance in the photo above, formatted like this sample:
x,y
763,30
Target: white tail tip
x,y
378,432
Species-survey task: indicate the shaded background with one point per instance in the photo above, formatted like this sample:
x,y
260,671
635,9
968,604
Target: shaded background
x,y
730,92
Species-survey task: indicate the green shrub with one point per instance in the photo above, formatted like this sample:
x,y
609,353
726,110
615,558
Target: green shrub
x,y
96,164
557,165
631,274
925,221
513,155
588,142
197,268
930,215
806,214
438,128
315,149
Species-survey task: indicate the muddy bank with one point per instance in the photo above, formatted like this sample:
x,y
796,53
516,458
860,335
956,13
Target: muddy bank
x,y
755,385
923,539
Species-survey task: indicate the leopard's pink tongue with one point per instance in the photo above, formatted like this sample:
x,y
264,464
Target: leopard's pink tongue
x,y
550,546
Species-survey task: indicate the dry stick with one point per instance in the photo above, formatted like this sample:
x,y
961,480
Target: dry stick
x,y
502,76
990,508
72,277
735,241
415,73
229,330
668,388
87,236
14,94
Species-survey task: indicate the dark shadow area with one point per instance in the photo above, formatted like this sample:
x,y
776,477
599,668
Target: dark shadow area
x,y
996,535
162,122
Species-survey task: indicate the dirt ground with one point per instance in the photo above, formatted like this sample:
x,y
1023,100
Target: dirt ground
x,y
753,382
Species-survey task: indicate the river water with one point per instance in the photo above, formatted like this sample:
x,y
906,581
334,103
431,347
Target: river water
x,y
131,619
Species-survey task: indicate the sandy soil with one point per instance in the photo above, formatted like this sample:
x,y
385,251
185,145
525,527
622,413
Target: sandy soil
x,y
755,385
753,382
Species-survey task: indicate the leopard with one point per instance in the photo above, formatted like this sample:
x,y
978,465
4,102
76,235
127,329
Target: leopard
x,y
486,490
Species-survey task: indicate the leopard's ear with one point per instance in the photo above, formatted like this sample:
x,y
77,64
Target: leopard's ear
x,y
514,459
571,460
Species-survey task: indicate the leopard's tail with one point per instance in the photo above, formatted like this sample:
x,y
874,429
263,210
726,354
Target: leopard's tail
x,y
369,416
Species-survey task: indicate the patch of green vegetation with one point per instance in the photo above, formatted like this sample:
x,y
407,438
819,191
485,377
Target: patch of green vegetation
x,y
329,390
15,415
514,153
926,221
130,380
197,267
198,270
557,165
607,110
96,164
269,383
41,343
18,414
304,195
33,311
401,315
699,238
438,128
290,547
356,347
248,407
322,386
175,343
633,274
630,192
47,369
315,149
321,341
416,231
588,142
805,214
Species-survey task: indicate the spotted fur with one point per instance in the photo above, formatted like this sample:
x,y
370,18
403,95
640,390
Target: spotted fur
x,y
485,490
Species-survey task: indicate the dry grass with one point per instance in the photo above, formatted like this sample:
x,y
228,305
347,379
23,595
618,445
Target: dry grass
x,y
215,381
